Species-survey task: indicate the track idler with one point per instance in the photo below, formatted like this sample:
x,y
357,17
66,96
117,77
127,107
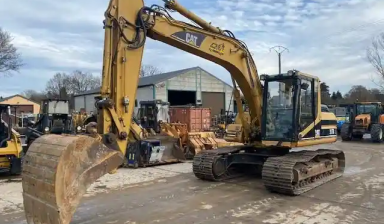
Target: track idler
x,y
57,171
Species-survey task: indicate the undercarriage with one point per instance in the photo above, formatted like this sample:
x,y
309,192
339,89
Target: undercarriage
x,y
282,171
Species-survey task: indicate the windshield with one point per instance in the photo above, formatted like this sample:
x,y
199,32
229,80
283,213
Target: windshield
x,y
279,109
365,108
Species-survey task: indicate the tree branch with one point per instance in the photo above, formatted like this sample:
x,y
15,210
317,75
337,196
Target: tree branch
x,y
10,59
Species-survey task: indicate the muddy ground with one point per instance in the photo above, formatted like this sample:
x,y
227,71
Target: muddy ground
x,y
171,194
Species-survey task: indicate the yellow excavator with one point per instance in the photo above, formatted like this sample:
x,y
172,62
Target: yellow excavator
x,y
58,169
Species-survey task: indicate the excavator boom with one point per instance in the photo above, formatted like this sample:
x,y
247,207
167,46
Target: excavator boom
x,y
58,169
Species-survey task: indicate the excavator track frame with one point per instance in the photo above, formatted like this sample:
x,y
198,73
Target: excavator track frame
x,y
277,171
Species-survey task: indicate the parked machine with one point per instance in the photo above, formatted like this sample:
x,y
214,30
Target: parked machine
x,y
11,151
154,150
364,118
54,118
275,128
152,112
342,115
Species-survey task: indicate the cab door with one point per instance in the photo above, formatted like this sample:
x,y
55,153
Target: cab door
x,y
307,108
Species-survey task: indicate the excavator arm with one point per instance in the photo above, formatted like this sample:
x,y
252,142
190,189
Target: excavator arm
x,y
58,169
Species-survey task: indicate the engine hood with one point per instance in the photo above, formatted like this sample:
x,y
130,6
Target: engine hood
x,y
363,119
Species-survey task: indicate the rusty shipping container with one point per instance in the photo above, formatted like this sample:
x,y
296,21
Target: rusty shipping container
x,y
197,119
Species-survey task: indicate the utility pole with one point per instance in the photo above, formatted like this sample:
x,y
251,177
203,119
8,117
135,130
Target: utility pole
x,y
279,50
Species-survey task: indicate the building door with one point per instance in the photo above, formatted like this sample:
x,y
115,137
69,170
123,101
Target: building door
x,y
215,101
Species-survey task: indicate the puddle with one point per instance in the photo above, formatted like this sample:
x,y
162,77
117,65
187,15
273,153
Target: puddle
x,y
353,170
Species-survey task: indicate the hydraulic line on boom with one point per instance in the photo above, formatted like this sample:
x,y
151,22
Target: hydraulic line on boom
x,y
59,169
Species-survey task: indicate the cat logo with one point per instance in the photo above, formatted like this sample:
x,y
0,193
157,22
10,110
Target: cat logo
x,y
190,38
217,48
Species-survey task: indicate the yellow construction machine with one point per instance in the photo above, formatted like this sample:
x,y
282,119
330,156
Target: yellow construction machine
x,y
234,132
280,120
11,151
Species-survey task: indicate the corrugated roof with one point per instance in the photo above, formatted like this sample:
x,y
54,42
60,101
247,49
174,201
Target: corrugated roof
x,y
154,79
151,80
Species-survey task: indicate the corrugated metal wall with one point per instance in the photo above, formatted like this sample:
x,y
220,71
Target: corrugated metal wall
x,y
88,101
196,80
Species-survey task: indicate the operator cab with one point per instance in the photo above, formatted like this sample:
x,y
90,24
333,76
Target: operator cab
x,y
152,112
367,108
291,106
54,118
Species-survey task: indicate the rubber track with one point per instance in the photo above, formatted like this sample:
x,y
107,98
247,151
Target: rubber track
x,y
203,164
277,172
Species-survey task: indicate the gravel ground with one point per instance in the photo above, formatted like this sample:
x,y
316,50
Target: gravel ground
x,y
171,194
11,199
12,202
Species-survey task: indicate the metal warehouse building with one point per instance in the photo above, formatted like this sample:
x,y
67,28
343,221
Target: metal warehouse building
x,y
182,87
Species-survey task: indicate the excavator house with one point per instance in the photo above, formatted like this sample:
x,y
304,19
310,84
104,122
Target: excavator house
x,y
291,118
58,169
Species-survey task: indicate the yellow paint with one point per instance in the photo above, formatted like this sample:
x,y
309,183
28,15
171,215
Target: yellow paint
x,y
303,143
19,100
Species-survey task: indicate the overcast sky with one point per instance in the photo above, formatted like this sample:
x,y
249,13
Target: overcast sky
x,y
326,38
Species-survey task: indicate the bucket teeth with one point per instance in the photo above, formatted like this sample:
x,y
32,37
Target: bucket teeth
x,y
57,170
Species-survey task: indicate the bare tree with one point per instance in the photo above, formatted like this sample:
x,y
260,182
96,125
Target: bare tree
x,y
81,81
34,95
10,59
360,93
149,70
58,85
375,56
62,84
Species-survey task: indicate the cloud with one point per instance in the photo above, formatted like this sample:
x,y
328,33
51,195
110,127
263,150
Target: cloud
x,y
324,37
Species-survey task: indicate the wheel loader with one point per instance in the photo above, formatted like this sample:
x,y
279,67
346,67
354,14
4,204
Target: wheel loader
x,y
364,118
11,151
282,118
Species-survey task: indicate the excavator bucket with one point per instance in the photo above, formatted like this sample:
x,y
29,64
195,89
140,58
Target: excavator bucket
x,y
173,151
198,141
57,170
